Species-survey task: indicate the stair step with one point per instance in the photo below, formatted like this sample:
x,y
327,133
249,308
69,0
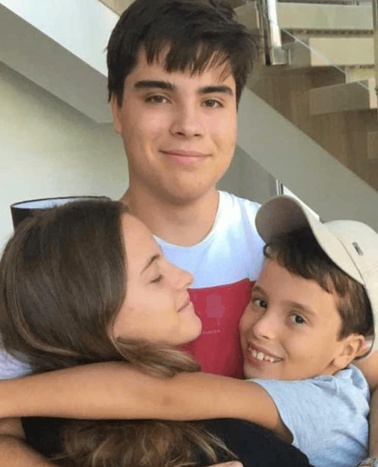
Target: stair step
x,y
329,51
359,95
359,74
297,16
312,17
373,145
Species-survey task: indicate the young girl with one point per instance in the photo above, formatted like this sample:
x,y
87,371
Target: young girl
x,y
86,283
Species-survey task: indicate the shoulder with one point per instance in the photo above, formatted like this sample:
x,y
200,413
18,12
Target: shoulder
x,y
352,378
228,201
237,214
10,367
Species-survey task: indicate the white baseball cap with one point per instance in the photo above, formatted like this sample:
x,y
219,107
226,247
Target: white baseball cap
x,y
351,245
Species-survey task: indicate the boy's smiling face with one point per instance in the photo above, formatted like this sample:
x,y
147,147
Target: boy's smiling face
x,y
179,129
290,328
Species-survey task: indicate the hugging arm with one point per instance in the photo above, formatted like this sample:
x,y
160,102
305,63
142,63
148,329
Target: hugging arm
x,y
14,452
119,391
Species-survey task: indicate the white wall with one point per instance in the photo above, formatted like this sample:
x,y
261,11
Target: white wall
x,y
50,149
89,21
290,156
248,179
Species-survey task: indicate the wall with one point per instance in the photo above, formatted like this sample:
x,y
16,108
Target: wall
x,y
290,156
60,46
50,149
248,179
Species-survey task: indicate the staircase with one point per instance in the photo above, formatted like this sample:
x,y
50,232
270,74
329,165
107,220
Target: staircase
x,y
326,85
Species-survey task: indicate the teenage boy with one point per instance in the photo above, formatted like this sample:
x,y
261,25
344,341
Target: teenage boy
x,y
313,310
176,72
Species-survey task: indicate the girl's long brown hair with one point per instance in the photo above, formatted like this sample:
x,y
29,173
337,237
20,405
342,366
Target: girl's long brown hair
x,y
62,282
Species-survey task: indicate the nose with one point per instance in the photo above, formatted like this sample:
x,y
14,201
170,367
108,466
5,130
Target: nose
x,y
180,278
187,121
265,327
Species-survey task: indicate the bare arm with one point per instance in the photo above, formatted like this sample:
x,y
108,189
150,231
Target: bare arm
x,y
13,450
117,391
369,367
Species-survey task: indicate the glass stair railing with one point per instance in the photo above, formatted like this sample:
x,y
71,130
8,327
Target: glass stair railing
x,y
325,76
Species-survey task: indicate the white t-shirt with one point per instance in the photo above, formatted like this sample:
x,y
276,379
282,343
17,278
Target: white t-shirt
x,y
224,265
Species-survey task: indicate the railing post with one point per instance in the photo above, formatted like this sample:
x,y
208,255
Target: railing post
x,y
274,53
375,26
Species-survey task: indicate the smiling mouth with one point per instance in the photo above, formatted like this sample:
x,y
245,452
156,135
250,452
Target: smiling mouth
x,y
263,357
185,305
180,153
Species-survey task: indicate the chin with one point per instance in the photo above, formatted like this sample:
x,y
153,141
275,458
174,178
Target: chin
x,y
196,329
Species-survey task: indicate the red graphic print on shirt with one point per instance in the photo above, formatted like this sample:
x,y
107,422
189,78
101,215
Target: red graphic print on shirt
x,y
220,308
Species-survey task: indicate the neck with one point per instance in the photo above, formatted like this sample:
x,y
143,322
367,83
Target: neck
x,y
183,224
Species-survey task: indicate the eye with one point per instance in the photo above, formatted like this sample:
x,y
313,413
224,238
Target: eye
x,y
297,319
212,103
157,279
157,99
260,303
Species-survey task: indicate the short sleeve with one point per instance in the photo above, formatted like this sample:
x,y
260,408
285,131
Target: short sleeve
x,y
10,367
318,413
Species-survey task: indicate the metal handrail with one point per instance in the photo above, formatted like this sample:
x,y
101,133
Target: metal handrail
x,y
275,54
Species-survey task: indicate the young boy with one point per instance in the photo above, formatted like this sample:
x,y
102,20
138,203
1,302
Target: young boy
x,y
310,314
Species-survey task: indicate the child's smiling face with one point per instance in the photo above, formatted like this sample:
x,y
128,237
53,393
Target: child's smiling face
x,y
290,328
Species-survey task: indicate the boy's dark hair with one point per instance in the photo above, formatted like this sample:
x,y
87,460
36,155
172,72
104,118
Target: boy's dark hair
x,y
299,253
193,33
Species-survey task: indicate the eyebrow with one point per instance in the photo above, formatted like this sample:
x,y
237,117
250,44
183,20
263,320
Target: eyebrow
x,y
290,303
147,84
257,288
167,86
150,262
216,89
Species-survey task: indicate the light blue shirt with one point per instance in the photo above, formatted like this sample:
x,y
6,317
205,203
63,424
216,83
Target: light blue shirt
x,y
327,415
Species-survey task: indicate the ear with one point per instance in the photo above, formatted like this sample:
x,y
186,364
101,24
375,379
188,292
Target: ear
x,y
350,347
116,111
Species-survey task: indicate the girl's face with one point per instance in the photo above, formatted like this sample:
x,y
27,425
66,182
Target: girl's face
x,y
157,307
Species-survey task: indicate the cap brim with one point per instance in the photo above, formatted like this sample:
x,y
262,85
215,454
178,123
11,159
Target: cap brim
x,y
283,214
